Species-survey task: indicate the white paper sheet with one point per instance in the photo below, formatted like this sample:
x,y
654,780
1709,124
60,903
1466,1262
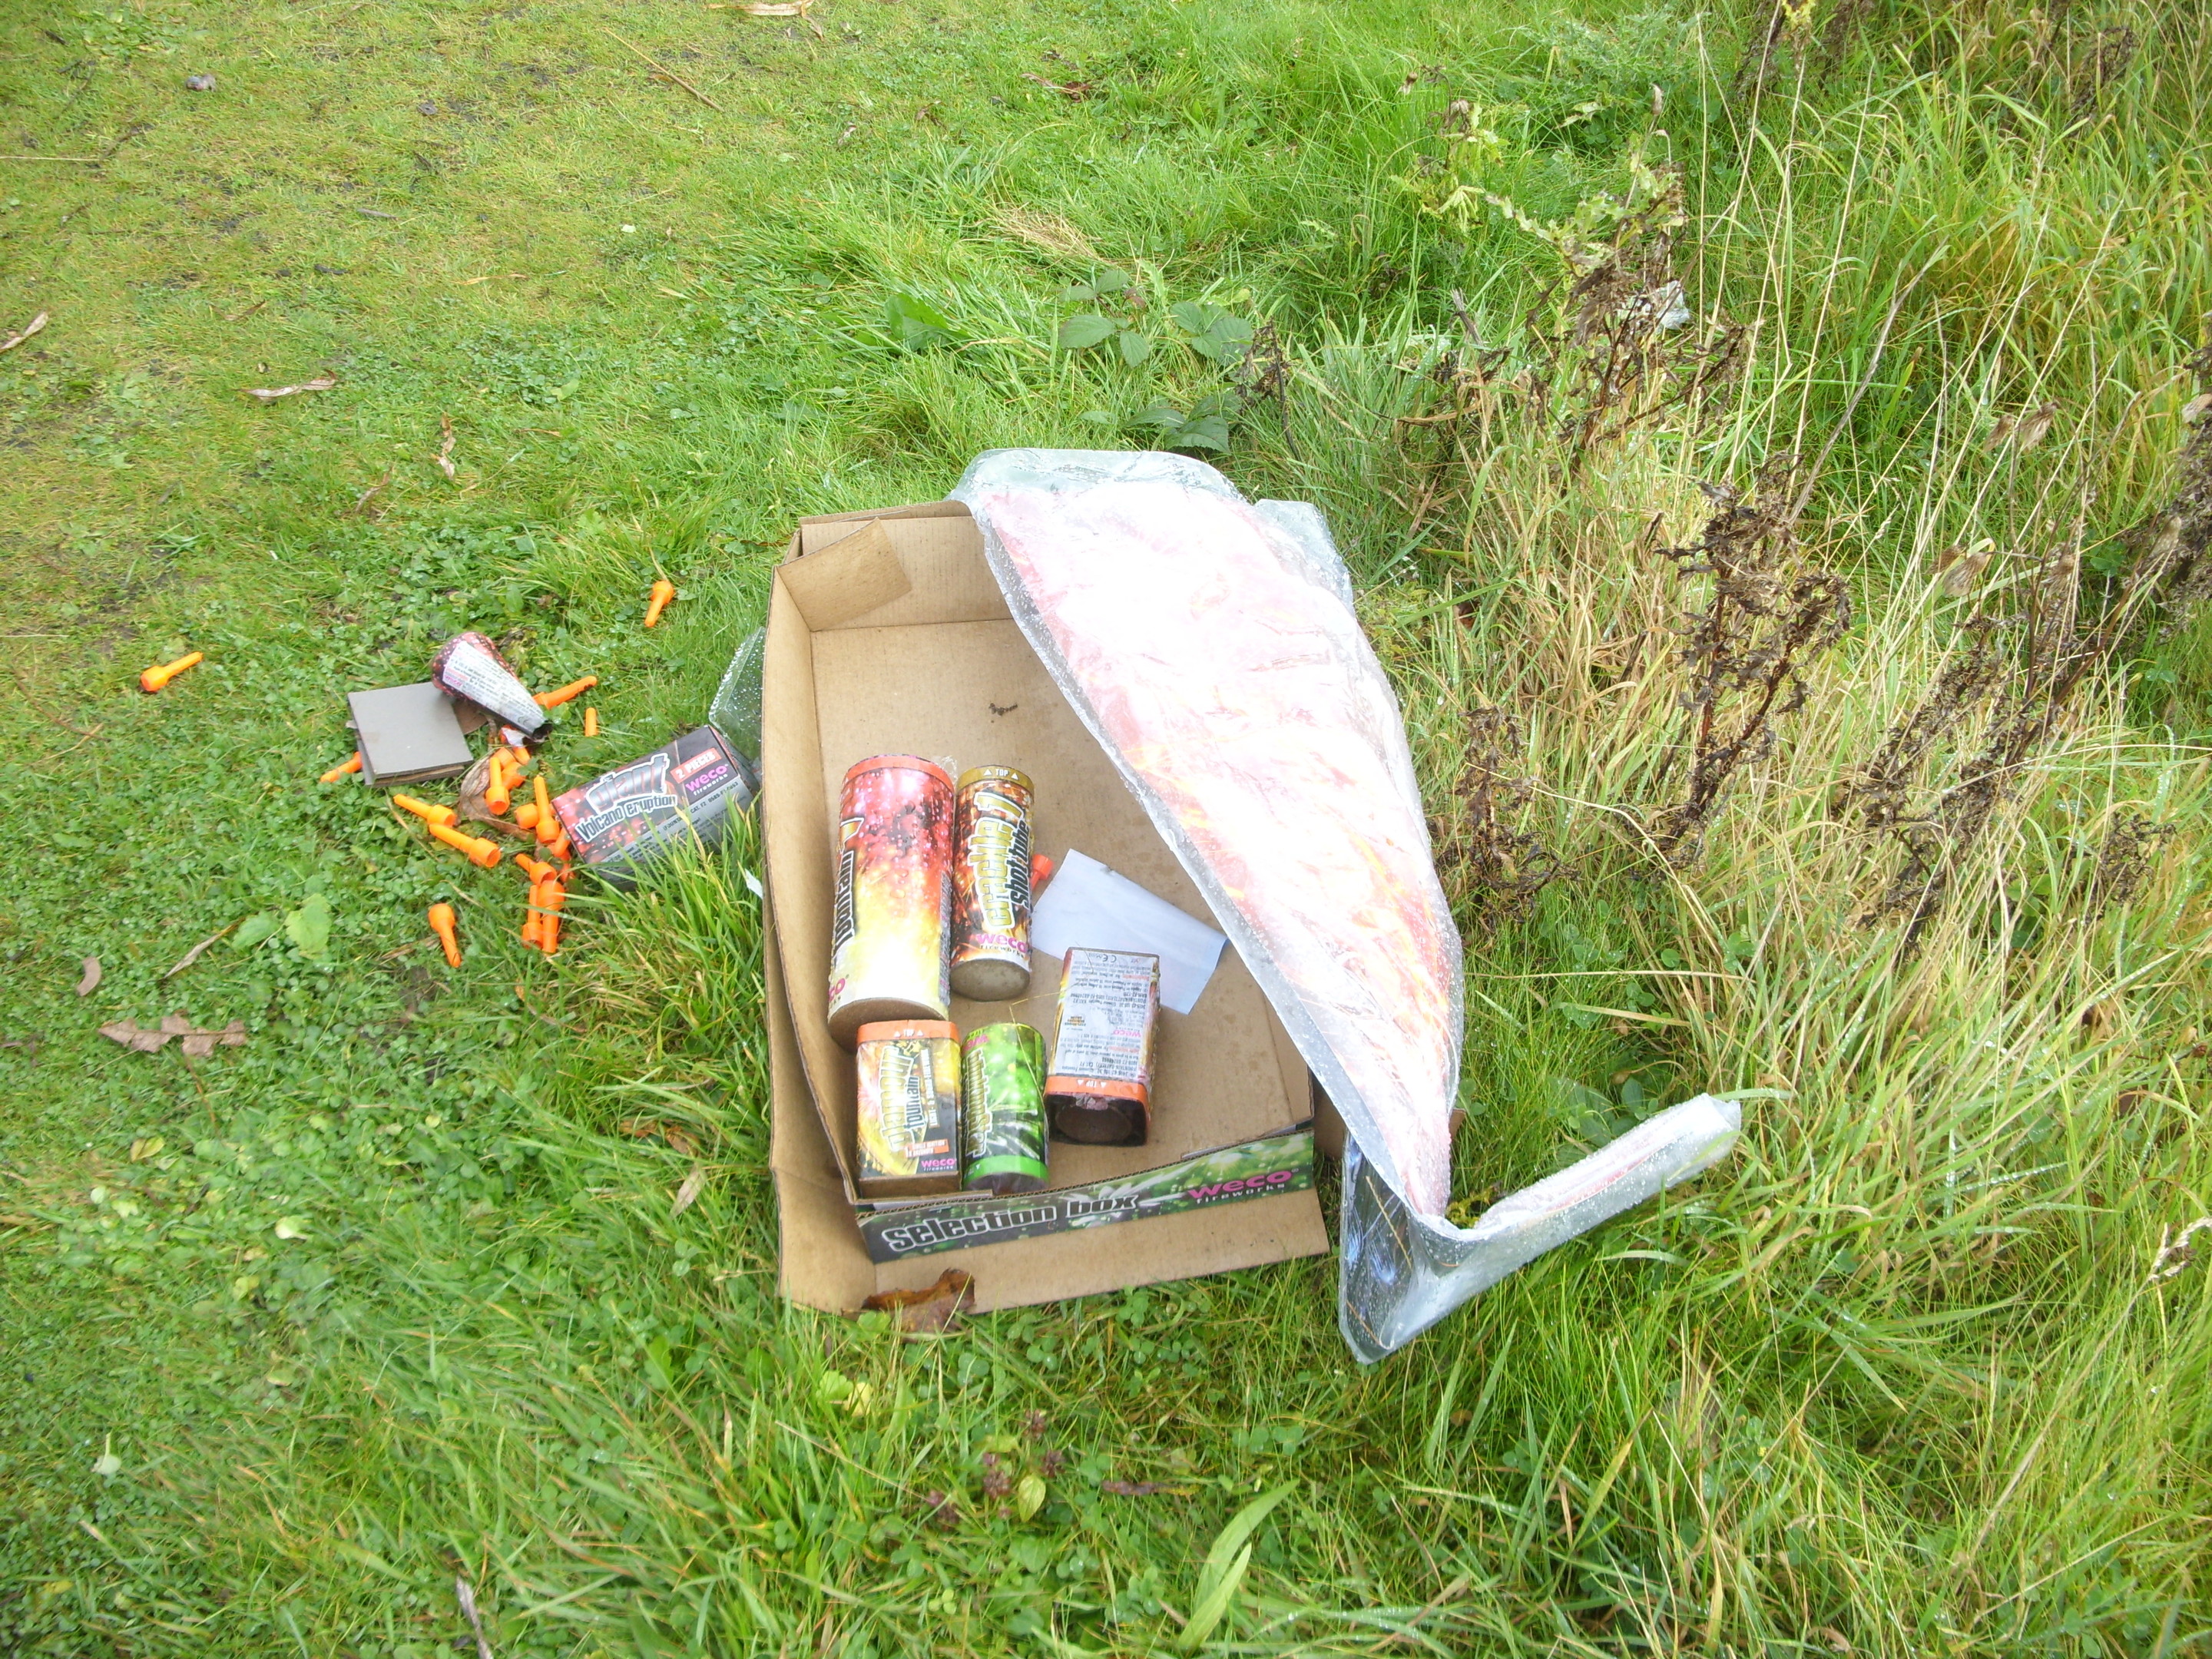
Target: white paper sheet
x,y
1086,903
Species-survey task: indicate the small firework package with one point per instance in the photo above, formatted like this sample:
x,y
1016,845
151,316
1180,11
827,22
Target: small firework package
x,y
468,666
1100,1091
901,703
907,1125
623,817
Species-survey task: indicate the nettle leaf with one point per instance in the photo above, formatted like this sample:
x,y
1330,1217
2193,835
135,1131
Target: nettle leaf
x,y
255,930
914,325
308,927
1135,347
1080,333
1111,281
1208,432
1213,333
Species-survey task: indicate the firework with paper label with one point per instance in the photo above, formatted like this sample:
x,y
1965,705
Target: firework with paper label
x,y
1100,1090
468,666
1002,1108
893,920
991,885
908,1132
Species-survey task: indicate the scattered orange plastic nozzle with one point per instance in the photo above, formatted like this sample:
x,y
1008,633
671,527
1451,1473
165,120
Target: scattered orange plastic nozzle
x,y
481,852
663,590
337,772
517,761
526,816
567,693
548,821
549,898
590,721
1041,868
559,848
532,923
498,788
536,869
442,923
155,678
428,811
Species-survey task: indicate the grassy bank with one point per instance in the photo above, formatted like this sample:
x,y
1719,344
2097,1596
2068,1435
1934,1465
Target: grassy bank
x,y
1893,835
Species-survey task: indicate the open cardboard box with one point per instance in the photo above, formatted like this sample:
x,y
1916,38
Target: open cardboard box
x,y
887,634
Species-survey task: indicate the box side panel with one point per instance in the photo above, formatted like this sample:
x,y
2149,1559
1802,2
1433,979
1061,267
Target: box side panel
x,y
1022,1272
948,578
822,1260
801,874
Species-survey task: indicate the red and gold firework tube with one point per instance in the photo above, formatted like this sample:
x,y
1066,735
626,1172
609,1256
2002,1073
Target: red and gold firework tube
x,y
991,885
888,956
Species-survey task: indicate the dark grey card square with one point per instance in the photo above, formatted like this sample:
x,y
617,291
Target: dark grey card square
x,y
408,733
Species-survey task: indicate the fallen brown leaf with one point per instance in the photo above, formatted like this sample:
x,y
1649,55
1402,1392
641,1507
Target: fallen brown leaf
x,y
24,333
90,982
649,1129
446,449
1076,91
928,1312
507,276
270,394
197,1044
688,1193
193,955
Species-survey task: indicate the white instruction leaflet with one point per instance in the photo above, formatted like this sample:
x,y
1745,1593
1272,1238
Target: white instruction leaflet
x,y
1087,904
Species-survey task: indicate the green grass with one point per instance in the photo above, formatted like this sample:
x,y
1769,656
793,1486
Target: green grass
x,y
1895,1379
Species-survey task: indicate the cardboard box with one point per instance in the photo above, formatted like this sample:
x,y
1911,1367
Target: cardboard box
x,y
887,633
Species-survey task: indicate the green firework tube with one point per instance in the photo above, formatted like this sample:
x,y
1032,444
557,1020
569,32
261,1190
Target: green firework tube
x,y
1002,1089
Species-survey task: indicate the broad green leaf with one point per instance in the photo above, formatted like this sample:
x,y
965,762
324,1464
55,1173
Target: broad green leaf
x,y
255,929
1111,281
1209,432
1135,347
1161,418
915,325
1029,1496
308,927
1077,294
1079,333
1191,316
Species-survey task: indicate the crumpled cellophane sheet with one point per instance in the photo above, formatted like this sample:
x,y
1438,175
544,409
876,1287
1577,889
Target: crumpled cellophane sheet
x,y
1209,645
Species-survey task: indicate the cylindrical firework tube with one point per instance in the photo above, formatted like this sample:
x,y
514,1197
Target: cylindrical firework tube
x,y
894,909
1002,1108
907,1134
991,885
1100,1090
468,666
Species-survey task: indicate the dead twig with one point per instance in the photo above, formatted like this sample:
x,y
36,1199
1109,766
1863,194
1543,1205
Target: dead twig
x,y
664,72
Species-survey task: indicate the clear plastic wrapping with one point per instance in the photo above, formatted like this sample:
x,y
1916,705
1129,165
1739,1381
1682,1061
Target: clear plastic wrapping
x,y
1209,643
